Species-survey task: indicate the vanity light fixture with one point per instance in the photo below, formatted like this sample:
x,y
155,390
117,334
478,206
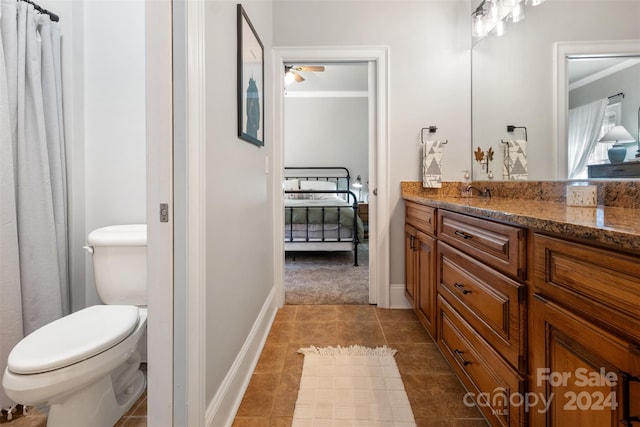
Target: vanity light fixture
x,y
491,15
477,22
517,12
500,28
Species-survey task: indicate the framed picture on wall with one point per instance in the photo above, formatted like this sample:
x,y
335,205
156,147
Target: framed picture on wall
x,y
250,82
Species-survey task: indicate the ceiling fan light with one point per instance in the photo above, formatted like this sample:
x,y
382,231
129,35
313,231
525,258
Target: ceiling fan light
x,y
289,77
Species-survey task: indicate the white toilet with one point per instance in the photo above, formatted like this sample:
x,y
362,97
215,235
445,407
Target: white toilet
x,y
86,365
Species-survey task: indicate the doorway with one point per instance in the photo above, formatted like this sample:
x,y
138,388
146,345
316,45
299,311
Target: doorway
x,y
326,127
377,168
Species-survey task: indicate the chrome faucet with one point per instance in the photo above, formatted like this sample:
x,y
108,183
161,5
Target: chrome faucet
x,y
482,193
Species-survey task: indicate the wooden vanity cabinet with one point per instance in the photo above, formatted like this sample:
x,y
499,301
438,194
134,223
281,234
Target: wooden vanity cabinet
x,y
585,343
520,314
481,308
420,262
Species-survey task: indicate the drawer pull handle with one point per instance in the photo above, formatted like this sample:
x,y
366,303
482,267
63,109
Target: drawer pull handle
x,y
462,289
463,234
627,419
460,355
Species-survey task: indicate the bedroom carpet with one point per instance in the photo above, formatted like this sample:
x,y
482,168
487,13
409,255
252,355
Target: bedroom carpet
x,y
346,386
326,277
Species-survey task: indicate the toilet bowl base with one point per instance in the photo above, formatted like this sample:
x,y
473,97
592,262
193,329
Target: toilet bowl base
x,y
96,405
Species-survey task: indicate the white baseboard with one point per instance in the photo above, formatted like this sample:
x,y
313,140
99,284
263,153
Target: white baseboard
x,y
397,299
222,409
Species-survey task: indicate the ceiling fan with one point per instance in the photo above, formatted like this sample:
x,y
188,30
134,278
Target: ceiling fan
x,y
294,71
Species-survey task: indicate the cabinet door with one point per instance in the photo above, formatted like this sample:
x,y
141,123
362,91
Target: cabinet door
x,y
588,375
426,298
411,277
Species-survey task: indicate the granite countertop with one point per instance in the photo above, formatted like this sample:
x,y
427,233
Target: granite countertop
x,y
612,226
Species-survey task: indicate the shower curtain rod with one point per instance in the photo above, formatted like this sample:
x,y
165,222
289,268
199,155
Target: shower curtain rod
x,y
52,15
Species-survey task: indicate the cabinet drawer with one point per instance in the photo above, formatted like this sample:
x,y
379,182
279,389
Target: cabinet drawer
x,y
499,245
421,217
480,368
620,170
491,302
602,284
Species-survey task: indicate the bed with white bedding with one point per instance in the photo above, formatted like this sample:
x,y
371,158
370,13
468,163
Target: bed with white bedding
x,y
321,213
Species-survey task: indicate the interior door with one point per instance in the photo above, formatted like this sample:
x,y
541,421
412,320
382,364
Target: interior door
x,y
159,131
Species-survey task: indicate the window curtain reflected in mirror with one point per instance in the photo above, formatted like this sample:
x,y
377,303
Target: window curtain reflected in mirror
x,y
585,123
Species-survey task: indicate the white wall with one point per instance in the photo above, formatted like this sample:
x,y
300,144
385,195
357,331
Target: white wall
x,y
239,220
321,131
103,81
513,75
114,117
429,78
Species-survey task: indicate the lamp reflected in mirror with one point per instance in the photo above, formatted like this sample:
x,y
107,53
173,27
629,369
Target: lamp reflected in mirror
x,y
618,135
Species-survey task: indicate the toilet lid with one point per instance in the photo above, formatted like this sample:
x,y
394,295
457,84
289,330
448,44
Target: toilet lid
x,y
73,338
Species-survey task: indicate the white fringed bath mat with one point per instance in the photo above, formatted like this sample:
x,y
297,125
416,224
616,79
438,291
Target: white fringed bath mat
x,y
351,386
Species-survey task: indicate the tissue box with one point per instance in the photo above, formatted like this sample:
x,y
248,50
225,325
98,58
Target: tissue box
x,y
582,195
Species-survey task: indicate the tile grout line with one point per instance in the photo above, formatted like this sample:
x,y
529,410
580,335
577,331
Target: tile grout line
x,y
384,335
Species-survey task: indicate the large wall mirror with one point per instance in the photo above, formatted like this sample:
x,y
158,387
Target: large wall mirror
x,y
515,82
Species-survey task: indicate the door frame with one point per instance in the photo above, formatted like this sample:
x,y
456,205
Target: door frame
x,y
175,76
379,216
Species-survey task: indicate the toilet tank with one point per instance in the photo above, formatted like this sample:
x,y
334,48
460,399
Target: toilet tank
x,y
119,254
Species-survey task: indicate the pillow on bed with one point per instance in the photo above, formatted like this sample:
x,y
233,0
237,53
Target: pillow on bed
x,y
320,185
290,185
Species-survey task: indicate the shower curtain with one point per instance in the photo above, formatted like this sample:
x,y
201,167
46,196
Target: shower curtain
x,y
34,284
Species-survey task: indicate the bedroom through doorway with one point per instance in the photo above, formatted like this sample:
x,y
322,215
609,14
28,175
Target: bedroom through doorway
x,y
326,128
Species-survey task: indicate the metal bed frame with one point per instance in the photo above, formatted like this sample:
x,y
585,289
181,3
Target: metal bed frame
x,y
339,175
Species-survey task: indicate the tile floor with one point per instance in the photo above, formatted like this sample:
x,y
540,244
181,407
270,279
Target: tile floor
x,y
433,389
137,415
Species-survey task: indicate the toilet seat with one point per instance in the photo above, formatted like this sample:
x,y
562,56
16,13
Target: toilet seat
x,y
73,338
